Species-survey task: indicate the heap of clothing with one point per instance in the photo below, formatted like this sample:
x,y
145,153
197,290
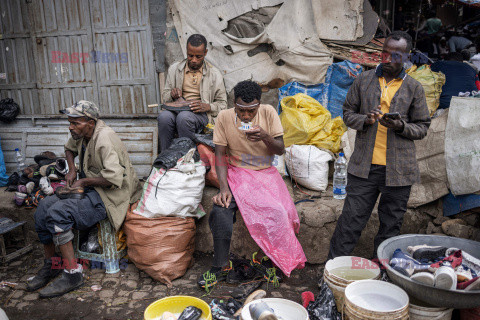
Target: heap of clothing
x,y
441,267
38,180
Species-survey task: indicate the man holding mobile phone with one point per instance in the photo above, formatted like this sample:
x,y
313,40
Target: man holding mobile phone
x,y
389,111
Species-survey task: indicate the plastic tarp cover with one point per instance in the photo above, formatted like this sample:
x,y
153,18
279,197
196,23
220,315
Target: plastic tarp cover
x,y
3,169
453,205
270,215
332,93
296,52
306,121
462,145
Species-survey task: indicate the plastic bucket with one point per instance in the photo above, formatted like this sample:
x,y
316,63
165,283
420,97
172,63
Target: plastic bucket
x,y
375,300
423,311
175,305
286,309
338,284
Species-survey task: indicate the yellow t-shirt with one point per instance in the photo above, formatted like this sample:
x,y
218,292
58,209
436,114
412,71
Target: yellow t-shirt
x,y
388,92
191,83
240,151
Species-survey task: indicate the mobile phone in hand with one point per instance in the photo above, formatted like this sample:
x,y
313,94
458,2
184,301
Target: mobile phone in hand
x,y
392,115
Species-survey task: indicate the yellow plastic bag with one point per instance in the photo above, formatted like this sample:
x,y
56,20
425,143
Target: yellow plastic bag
x,y
432,83
306,121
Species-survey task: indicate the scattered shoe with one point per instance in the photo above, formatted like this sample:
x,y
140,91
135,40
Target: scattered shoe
x,y
463,285
266,268
243,290
424,277
22,189
30,186
242,271
454,260
51,173
61,166
12,182
70,193
463,274
445,278
213,276
44,275
19,198
405,264
468,260
256,295
45,186
474,285
45,158
65,283
426,252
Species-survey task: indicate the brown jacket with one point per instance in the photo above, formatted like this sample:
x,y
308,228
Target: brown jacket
x,y
212,88
409,101
107,157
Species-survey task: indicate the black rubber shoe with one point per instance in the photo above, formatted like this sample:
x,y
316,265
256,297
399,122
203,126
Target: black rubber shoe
x,y
208,279
63,284
44,275
243,271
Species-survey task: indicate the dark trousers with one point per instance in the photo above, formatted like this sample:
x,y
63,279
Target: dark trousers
x,y
221,224
362,195
186,123
55,216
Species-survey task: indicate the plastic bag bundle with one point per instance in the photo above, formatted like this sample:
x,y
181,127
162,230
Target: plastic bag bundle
x,y
432,83
9,110
306,121
323,308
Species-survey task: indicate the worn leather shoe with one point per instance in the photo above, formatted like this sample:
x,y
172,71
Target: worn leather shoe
x,y
66,282
44,275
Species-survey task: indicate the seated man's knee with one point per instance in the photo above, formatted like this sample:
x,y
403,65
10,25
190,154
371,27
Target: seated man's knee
x,y
185,119
221,222
62,238
166,117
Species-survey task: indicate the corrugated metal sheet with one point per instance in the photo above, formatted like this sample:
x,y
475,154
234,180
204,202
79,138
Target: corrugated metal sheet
x,y
54,52
140,138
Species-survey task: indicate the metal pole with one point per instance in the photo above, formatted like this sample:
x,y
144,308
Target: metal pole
x,y
418,24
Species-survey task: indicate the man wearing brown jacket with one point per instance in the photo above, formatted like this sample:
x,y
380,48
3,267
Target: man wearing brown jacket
x,y
383,161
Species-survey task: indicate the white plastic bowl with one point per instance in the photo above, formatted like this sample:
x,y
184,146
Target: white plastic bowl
x,y
377,296
284,308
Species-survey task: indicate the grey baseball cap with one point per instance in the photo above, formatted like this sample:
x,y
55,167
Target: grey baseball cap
x,y
83,108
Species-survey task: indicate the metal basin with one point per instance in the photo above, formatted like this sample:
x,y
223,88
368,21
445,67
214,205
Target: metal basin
x,y
458,299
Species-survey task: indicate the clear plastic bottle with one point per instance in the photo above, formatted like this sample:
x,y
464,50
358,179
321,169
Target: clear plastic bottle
x,y
20,161
340,177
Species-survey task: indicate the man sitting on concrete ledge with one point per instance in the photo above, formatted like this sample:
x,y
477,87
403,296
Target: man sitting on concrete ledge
x,y
107,185
199,84
246,139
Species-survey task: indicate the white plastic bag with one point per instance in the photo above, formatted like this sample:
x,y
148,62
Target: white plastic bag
x,y
176,192
308,165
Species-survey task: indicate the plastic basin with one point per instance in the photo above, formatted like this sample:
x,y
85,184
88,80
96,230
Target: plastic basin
x,y
175,305
457,299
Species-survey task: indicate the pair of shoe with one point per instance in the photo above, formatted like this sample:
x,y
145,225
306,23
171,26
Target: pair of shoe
x,y
443,278
406,265
55,171
63,282
45,186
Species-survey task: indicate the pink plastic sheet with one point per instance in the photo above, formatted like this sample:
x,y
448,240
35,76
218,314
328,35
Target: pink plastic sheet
x,y
269,214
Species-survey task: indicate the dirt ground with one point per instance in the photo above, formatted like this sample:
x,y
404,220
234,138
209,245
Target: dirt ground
x,y
124,295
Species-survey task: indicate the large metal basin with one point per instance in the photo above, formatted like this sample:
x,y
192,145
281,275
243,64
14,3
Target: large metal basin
x,y
458,299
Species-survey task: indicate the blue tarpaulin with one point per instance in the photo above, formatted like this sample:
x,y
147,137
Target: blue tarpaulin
x,y
332,93
456,204
3,169
475,3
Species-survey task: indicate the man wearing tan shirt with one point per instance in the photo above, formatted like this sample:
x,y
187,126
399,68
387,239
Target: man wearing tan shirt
x,y
198,82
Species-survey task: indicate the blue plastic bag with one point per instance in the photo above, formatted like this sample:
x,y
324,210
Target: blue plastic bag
x,y
330,94
3,169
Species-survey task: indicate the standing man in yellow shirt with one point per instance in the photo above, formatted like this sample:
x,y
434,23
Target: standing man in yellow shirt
x,y
198,82
388,109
